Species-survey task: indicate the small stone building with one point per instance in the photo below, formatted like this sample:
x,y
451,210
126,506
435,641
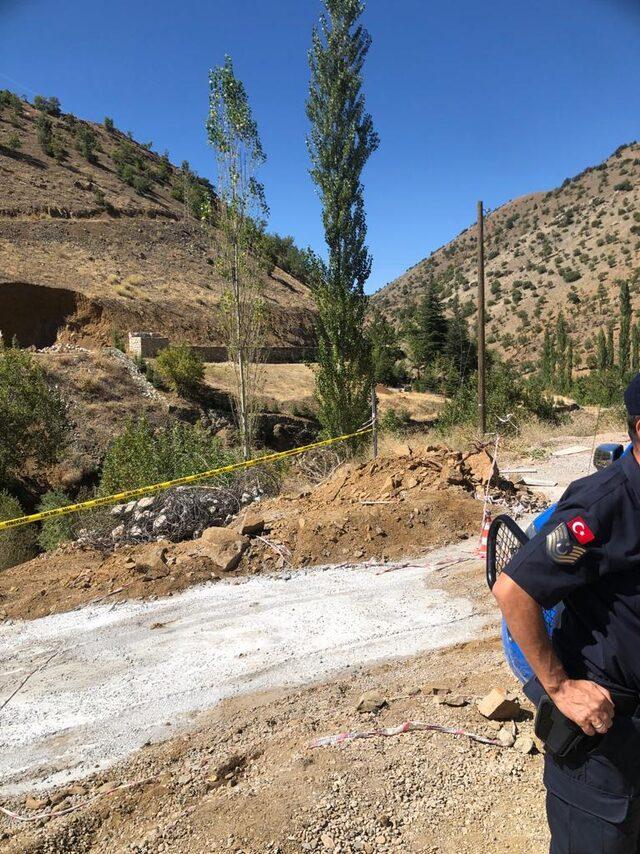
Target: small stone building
x,y
146,344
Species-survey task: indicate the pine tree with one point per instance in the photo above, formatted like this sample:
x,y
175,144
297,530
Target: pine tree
x,y
340,142
384,347
624,343
427,334
458,349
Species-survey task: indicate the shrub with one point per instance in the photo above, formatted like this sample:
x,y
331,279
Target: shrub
x,y
625,186
108,124
180,368
44,134
60,529
13,142
50,106
141,456
86,142
17,545
395,421
33,421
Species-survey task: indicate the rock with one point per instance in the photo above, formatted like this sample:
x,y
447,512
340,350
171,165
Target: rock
x,y
525,744
327,842
250,522
146,503
506,738
223,546
107,787
481,465
498,706
371,701
451,700
32,803
77,790
62,805
58,797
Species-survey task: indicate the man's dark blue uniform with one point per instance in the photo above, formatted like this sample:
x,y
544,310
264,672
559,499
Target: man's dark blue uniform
x,y
592,565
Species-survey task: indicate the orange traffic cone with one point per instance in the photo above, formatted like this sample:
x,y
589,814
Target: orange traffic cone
x,y
484,536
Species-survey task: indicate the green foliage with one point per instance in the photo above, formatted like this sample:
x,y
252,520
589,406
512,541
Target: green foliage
x,y
396,421
570,275
44,134
132,167
600,387
385,351
141,456
624,341
196,193
10,100
33,421
282,252
624,186
180,368
427,333
50,106
108,124
340,142
507,394
17,545
86,142
13,142
60,529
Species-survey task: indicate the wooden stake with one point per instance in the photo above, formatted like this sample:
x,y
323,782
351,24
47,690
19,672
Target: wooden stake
x,y
482,417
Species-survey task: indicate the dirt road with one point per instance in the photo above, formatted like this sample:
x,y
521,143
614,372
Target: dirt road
x,y
125,673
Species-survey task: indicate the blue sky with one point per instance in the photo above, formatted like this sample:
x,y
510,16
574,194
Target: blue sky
x,y
471,100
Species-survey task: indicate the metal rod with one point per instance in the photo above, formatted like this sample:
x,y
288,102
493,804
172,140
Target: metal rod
x,y
482,416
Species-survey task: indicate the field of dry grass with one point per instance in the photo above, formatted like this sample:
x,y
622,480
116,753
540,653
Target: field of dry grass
x,y
289,388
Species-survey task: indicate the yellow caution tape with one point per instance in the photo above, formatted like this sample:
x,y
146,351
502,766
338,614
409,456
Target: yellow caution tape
x,y
120,497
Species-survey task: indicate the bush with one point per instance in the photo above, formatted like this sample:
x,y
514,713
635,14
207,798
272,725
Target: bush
x,y
58,530
17,545
180,368
395,421
14,144
141,456
506,395
50,106
33,421
109,124
625,186
86,142
44,134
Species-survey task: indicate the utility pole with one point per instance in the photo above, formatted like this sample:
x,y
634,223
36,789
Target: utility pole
x,y
374,419
482,415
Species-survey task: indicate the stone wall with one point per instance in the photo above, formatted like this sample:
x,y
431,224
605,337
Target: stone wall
x,y
149,344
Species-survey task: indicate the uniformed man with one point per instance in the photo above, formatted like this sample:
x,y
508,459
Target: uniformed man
x,y
587,557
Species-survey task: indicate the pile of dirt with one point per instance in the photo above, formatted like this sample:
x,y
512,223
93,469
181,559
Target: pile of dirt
x,y
382,510
246,779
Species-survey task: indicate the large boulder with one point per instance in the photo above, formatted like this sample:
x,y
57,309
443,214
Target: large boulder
x,y
223,546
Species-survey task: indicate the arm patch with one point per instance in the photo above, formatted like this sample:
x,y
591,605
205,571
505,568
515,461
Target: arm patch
x,y
562,548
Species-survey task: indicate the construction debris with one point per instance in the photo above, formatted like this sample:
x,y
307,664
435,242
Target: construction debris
x,y
499,706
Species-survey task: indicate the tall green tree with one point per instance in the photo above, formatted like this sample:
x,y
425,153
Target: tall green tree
x,y
427,334
635,348
602,354
548,359
384,348
611,353
624,342
233,134
340,142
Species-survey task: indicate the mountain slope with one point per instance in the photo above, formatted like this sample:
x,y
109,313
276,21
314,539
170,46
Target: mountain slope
x,y
545,252
113,240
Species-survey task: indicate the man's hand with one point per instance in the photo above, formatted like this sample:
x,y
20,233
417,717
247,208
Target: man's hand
x,y
587,704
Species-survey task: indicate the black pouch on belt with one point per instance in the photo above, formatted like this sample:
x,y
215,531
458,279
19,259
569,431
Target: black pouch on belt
x,y
560,735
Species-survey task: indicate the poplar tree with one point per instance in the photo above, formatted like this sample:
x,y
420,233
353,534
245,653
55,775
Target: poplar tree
x,y
602,356
635,348
611,357
233,134
624,343
548,360
340,142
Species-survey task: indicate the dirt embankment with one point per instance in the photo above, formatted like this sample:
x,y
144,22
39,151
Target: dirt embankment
x,y
383,509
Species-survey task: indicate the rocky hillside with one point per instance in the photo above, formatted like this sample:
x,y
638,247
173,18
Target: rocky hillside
x,y
98,234
565,249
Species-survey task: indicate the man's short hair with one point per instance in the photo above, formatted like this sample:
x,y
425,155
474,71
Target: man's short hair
x,y
632,420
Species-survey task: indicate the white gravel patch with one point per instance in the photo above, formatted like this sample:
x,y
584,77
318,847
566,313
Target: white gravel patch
x,y
116,683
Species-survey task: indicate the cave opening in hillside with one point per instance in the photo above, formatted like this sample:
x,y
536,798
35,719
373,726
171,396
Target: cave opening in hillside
x,y
34,315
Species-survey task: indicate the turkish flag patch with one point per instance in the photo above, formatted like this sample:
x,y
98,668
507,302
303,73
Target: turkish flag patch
x,y
580,530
